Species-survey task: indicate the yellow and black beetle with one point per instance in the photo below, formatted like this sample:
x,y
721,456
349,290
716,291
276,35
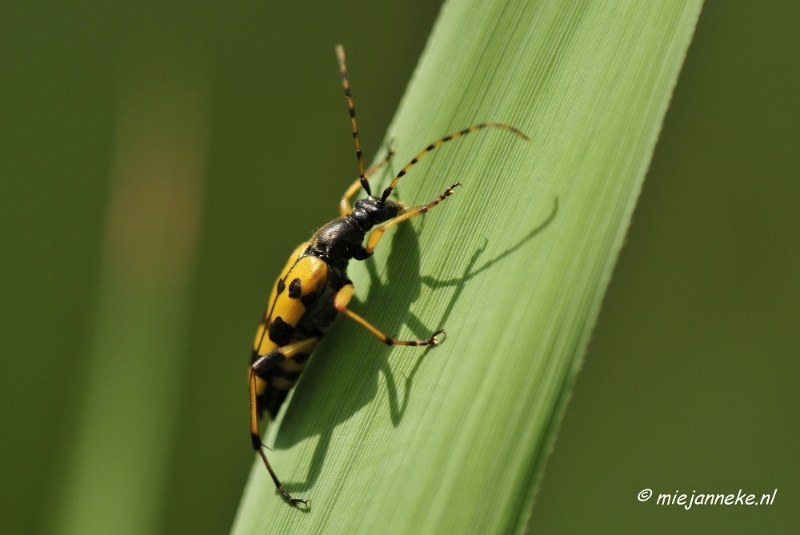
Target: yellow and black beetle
x,y
313,288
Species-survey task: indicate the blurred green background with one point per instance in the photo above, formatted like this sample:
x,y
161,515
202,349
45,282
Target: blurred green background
x,y
690,380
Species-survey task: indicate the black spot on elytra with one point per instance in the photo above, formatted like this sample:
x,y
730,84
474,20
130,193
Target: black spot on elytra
x,y
308,300
281,286
295,290
280,332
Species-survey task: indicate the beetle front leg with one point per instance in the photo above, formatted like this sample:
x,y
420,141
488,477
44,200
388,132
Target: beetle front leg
x,y
343,297
408,213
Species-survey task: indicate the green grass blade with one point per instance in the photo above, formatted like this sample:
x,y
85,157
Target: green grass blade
x,y
514,266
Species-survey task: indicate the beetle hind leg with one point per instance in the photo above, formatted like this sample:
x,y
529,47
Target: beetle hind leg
x,y
288,497
259,367
259,446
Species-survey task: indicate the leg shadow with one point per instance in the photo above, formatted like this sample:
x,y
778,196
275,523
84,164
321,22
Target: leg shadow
x,y
403,270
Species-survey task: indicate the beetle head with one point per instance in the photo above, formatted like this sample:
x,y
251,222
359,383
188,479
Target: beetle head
x,y
372,210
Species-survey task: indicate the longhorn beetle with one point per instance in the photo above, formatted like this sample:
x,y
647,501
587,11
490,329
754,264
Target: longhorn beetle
x,y
313,286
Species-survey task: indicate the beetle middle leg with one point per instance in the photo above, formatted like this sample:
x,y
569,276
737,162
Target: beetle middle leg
x,y
343,297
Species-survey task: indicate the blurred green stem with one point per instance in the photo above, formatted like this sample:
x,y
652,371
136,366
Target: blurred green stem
x,y
116,474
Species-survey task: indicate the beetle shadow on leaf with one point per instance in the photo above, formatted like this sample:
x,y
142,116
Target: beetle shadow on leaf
x,y
470,272
338,398
459,283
